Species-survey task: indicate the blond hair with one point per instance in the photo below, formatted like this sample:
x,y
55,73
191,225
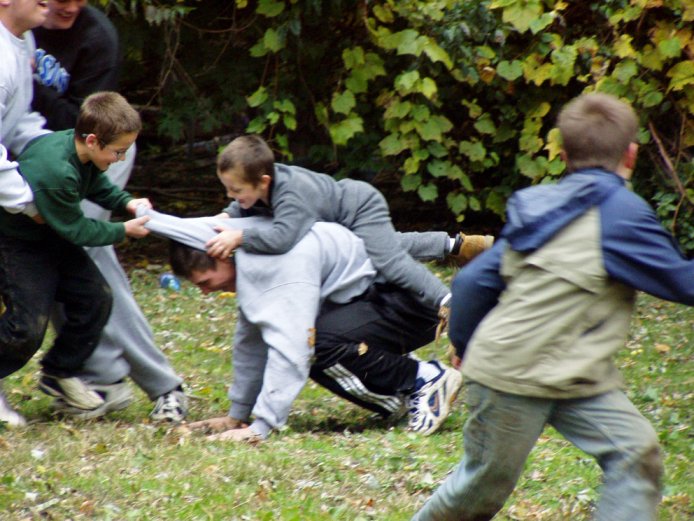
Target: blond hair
x,y
596,131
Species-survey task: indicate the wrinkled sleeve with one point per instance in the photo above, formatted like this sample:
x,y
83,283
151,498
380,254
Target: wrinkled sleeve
x,y
475,291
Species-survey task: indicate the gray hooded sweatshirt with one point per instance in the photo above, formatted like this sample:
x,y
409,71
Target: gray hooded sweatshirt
x,y
278,297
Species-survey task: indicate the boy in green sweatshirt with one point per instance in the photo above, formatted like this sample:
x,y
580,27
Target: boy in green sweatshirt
x,y
42,259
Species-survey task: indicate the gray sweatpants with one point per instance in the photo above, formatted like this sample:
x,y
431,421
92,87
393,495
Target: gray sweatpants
x,y
127,344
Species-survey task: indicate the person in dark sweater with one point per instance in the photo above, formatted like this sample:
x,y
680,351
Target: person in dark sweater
x,y
77,54
44,262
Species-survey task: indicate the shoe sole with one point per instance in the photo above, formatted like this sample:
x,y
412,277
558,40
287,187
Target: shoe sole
x,y
61,407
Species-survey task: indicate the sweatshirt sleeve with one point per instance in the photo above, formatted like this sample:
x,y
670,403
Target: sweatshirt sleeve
x,y
250,359
291,220
640,253
475,291
289,350
61,210
15,193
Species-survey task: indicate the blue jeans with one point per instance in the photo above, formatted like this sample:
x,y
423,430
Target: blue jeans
x,y
34,274
503,428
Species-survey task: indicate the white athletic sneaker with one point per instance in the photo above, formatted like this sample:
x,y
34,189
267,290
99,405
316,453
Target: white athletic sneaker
x,y
72,391
431,401
8,415
171,406
116,397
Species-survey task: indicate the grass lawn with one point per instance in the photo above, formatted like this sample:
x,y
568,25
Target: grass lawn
x,y
332,461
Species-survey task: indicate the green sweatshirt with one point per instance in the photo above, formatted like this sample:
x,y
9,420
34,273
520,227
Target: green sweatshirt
x,y
60,182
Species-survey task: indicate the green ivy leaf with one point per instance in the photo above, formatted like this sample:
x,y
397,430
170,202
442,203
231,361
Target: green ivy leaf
x,y
670,48
428,87
681,75
285,105
257,98
289,121
563,59
410,183
321,112
434,128
398,109
540,23
357,82
353,57
428,192
510,71
269,8
473,150
438,168
342,131
436,149
383,13
272,40
474,203
392,145
343,103
457,202
496,202
256,126
522,13
437,54
485,125
420,112
406,81
532,168
625,70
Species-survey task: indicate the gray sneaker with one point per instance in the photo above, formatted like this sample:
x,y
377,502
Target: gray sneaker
x,y
116,397
72,391
8,415
431,401
171,406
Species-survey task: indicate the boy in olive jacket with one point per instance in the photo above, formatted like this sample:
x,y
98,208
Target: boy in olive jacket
x,y
42,262
538,318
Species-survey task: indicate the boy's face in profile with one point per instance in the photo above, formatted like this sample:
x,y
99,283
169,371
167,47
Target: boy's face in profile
x,y
244,192
220,278
104,155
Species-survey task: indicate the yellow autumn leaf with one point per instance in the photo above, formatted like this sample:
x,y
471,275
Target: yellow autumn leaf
x,y
662,348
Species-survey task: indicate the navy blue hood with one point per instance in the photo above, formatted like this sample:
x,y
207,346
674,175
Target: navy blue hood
x,y
534,215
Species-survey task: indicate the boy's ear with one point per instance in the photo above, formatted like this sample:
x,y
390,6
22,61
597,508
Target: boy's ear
x,y
91,140
629,159
265,181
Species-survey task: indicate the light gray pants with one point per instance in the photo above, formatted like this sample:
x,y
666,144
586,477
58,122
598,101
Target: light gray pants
x,y
503,428
127,344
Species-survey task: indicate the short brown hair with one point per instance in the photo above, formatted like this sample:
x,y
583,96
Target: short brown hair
x,y
252,154
185,260
107,115
596,130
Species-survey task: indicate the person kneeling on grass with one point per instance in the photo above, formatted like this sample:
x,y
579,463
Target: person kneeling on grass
x,y
317,311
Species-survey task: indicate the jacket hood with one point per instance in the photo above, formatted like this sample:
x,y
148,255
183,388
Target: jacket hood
x,y
534,215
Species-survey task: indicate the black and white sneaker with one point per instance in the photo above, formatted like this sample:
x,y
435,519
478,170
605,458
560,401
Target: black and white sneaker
x,y
431,400
171,406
